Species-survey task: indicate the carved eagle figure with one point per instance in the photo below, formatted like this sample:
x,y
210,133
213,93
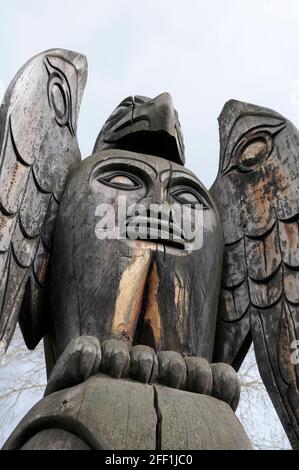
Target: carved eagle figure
x,y
257,194
64,285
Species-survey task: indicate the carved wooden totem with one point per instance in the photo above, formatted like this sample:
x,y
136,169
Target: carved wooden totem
x,y
142,338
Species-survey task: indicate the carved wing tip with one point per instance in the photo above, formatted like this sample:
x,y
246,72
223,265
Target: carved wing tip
x,y
76,58
234,108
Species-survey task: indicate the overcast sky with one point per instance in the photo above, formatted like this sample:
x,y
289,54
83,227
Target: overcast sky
x,y
202,52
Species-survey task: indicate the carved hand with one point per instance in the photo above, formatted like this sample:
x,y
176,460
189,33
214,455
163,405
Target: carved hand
x,y
84,357
169,368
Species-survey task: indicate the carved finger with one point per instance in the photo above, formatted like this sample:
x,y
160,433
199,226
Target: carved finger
x,y
199,375
90,357
115,358
172,369
143,364
226,384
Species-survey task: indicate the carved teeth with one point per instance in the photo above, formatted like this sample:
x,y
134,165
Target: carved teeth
x,y
150,228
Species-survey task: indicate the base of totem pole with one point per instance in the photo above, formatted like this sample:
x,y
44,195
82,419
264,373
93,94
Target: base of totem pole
x,y
107,413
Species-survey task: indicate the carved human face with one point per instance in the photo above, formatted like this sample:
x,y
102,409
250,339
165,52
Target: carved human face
x,y
161,202
145,291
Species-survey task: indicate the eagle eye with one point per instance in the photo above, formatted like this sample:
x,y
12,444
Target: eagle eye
x,y
253,151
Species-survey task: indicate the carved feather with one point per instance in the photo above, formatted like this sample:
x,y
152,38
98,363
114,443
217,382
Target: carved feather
x,y
257,192
38,150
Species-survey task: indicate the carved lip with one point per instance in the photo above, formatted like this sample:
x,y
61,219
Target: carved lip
x,y
156,230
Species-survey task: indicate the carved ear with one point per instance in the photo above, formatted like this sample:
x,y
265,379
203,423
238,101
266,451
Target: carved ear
x,y
38,150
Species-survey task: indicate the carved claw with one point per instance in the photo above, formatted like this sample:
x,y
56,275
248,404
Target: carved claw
x,y
143,364
80,359
199,375
226,384
172,369
116,358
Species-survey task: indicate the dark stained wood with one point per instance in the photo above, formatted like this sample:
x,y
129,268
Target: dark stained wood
x,y
199,375
257,193
132,290
136,120
37,154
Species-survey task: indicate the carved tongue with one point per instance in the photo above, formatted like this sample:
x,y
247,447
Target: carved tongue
x,y
131,293
137,316
148,329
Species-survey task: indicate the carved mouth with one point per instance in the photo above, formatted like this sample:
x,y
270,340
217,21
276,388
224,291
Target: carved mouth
x,y
158,143
155,230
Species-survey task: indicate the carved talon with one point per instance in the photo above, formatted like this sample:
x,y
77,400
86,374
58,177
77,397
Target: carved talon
x,y
199,375
80,359
226,384
172,369
116,358
143,364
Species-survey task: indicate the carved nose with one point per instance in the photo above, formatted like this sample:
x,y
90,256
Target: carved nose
x,y
159,196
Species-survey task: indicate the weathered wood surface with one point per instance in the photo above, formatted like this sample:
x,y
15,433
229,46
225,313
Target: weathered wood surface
x,y
144,125
38,150
106,413
194,421
57,439
257,193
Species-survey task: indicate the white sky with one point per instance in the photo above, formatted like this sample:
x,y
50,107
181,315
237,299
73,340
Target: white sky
x,y
202,52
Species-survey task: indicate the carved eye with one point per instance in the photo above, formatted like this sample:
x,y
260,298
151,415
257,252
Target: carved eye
x,y
120,181
253,151
60,100
188,196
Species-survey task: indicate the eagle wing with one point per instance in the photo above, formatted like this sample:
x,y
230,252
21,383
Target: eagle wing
x,y
257,193
38,150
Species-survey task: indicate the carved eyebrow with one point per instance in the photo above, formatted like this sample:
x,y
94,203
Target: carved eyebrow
x,y
176,174
252,122
181,177
117,161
